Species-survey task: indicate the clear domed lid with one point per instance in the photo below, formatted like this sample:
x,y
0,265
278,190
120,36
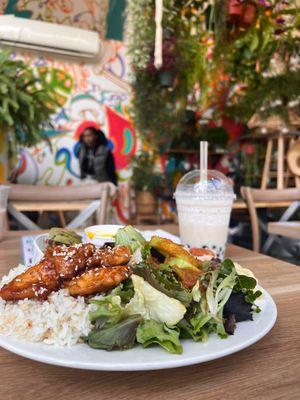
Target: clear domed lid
x,y
216,182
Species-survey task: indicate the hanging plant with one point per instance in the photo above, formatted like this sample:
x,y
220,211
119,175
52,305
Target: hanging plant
x,y
249,56
249,14
241,12
167,72
26,103
160,94
234,11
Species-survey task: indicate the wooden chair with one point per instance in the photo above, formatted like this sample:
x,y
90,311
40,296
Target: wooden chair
x,y
255,196
89,199
293,160
277,147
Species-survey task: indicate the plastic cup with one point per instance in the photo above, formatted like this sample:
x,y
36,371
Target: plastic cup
x,y
204,210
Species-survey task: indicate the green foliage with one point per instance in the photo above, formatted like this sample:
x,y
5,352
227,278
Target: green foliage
x,y
214,135
232,66
261,93
159,112
164,281
26,103
144,174
130,237
152,332
260,60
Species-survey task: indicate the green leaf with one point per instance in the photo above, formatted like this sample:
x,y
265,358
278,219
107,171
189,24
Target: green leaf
x,y
24,102
128,236
246,282
120,336
227,265
108,310
125,291
164,281
151,332
188,331
255,42
252,296
199,321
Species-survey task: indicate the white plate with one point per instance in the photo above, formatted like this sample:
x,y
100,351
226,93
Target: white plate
x,y
139,359
40,240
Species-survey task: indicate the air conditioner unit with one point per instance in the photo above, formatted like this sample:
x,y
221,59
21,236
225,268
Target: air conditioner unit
x,y
44,36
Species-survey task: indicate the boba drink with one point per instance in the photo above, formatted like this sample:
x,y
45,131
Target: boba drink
x,y
204,210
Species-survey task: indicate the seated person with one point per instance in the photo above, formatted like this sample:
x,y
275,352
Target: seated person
x,y
96,161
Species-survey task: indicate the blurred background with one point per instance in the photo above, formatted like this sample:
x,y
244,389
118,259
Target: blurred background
x,y
224,71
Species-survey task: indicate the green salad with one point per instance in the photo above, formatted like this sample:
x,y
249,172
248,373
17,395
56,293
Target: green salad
x,y
171,295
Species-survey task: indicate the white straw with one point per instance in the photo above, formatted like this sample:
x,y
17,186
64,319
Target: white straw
x,y
203,161
158,57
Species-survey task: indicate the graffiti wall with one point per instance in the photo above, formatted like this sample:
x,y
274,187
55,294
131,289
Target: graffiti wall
x,y
88,94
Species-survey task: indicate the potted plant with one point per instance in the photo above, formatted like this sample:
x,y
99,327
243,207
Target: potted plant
x,y
146,182
241,12
234,10
26,103
166,74
249,13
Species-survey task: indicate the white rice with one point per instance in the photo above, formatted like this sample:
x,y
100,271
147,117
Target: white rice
x,y
62,320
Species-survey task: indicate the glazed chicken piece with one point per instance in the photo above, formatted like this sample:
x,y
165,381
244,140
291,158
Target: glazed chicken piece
x,y
98,280
110,257
61,263
70,261
37,282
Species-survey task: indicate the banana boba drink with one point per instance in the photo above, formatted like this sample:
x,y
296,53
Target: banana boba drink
x,y
204,201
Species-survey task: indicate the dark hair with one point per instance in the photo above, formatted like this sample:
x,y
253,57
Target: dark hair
x,y
101,138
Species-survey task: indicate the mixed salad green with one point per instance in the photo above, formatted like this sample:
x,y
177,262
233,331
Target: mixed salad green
x,y
170,296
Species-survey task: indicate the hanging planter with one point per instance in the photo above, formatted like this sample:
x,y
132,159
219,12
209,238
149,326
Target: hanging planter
x,y
234,10
165,78
249,13
241,13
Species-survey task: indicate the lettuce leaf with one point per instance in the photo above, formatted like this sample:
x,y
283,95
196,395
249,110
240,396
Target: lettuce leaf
x,y
205,315
119,336
187,331
128,236
153,304
124,290
109,308
152,332
164,280
108,311
218,292
238,306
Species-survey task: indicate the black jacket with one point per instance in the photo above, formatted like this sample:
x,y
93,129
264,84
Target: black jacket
x,y
103,162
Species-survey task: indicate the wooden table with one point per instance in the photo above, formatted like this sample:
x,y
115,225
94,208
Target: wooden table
x,y
290,229
270,369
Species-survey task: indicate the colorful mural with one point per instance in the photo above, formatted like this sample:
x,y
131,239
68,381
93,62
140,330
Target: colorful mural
x,y
88,14
88,94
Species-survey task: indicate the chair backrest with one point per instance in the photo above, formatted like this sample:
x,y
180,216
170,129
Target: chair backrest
x,y
98,193
293,160
21,192
255,196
